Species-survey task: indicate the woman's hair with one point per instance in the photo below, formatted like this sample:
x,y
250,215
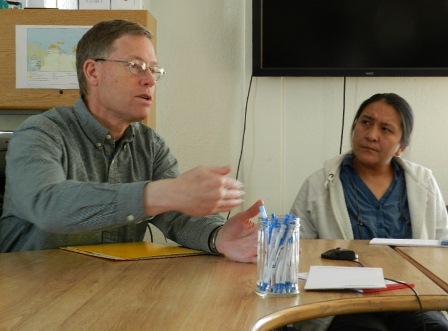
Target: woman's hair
x,y
98,43
400,105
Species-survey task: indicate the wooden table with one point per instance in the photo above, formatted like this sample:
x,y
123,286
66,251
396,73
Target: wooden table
x,y
59,290
430,260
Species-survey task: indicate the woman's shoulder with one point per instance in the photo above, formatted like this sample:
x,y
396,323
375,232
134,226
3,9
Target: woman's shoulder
x,y
417,173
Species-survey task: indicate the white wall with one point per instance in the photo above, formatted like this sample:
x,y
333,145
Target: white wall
x,y
199,101
294,124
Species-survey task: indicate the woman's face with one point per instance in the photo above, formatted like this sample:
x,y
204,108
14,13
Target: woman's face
x,y
377,135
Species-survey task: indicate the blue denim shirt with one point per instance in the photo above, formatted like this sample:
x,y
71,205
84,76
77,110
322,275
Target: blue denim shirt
x,y
68,182
370,218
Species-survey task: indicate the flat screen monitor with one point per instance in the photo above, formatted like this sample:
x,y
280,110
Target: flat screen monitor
x,y
350,37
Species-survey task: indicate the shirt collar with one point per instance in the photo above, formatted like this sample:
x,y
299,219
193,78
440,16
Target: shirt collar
x,y
348,161
97,133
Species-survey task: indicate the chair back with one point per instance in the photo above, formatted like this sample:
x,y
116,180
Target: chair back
x,y
2,179
4,140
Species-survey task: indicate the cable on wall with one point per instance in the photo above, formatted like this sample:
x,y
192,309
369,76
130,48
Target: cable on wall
x,y
245,122
343,114
244,133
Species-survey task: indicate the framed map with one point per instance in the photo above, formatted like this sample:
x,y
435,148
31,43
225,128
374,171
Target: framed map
x,y
46,56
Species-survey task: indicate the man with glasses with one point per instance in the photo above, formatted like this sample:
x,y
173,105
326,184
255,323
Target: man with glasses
x,y
92,173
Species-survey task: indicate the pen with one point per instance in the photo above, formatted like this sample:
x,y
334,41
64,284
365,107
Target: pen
x,y
266,235
263,213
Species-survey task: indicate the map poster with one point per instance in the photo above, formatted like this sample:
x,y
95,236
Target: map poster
x,y
46,56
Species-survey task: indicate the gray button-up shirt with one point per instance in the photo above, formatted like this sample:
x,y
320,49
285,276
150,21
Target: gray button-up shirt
x,y
70,183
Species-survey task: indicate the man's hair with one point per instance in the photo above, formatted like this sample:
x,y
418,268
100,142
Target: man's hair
x,y
98,43
400,105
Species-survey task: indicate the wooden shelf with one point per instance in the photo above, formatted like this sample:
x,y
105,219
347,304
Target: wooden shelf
x,y
44,99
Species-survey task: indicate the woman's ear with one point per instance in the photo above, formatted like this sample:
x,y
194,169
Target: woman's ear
x,y
400,150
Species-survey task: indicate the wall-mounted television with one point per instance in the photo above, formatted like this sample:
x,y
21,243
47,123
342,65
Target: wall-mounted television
x,y
350,38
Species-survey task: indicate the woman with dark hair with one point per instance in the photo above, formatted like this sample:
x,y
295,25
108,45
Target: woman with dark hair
x,y
371,192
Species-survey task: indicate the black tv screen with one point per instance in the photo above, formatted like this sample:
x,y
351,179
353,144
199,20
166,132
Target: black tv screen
x,y
350,37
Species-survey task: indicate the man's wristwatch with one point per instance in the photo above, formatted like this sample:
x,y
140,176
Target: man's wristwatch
x,y
212,241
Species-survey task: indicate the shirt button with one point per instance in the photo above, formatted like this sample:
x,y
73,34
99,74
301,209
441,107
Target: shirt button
x,y
98,144
130,218
108,136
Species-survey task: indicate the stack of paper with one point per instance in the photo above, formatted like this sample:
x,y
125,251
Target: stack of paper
x,y
332,278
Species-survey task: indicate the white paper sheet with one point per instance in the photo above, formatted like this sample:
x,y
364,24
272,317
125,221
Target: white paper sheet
x,y
330,278
408,242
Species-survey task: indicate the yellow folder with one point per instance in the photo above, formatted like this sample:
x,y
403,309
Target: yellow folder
x,y
134,251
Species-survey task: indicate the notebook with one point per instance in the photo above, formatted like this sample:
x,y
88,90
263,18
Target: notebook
x,y
134,251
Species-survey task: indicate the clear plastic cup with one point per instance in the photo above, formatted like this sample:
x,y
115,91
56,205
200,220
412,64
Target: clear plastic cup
x,y
278,256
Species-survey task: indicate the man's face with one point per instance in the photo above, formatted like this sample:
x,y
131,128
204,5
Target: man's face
x,y
117,95
377,135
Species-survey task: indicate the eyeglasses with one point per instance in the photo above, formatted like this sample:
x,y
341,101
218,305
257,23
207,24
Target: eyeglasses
x,y
138,67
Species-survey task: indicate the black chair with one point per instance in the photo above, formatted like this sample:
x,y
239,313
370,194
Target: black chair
x,y
2,179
